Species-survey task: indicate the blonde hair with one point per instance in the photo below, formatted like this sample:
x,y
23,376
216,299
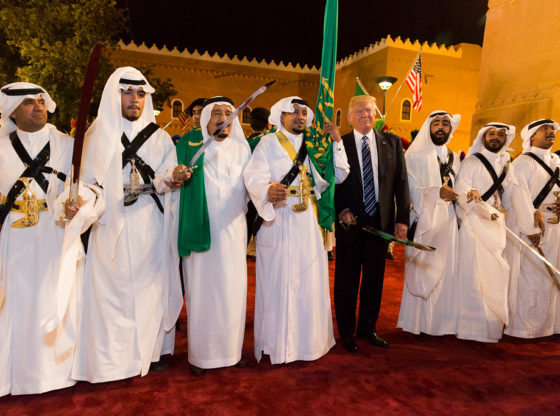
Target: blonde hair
x,y
360,99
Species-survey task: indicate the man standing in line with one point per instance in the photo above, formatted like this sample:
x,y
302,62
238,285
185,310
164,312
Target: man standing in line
x,y
293,319
194,110
534,296
483,272
34,160
427,305
259,125
376,187
132,293
212,240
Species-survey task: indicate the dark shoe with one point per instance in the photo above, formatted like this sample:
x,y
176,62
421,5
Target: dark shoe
x,y
421,337
348,344
197,371
376,340
390,255
242,363
331,256
161,364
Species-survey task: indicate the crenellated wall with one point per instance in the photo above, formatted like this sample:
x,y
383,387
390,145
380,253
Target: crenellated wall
x,y
450,79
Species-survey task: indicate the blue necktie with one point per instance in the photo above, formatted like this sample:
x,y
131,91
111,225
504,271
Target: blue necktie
x,y
370,201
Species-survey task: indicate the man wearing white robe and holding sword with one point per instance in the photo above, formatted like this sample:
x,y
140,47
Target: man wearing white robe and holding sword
x,y
534,287
212,238
485,183
132,292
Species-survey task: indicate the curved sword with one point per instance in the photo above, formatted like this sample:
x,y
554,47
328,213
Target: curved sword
x,y
228,121
403,241
540,254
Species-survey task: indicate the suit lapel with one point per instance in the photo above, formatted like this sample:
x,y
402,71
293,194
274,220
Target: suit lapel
x,y
352,154
381,144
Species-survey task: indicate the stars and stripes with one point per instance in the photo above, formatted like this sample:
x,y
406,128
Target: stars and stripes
x,y
414,82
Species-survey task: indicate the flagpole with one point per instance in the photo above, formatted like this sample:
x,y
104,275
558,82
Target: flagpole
x,y
404,79
167,125
367,93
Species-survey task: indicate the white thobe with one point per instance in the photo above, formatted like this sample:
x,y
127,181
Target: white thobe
x,y
216,280
30,360
535,301
293,319
483,273
132,296
427,303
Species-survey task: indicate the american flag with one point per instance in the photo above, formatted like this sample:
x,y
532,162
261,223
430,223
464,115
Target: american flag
x,y
414,82
183,117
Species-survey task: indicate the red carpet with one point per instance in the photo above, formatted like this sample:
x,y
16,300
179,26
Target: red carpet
x,y
441,376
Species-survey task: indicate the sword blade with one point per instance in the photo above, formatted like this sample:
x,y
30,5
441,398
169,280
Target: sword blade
x,y
228,121
403,241
540,254
549,270
81,123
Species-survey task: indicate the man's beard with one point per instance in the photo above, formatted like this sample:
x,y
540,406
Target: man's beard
x,y
297,130
439,141
488,145
130,118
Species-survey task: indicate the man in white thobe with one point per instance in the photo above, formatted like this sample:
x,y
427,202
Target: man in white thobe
x,y
132,292
32,360
427,305
534,297
293,319
485,184
213,240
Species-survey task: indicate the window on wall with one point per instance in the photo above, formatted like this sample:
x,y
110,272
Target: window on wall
x,y
246,116
337,118
405,110
177,106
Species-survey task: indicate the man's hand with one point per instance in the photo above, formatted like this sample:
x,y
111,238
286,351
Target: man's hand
x,y
180,174
332,130
539,221
556,207
535,239
347,218
277,192
70,211
400,230
448,194
473,195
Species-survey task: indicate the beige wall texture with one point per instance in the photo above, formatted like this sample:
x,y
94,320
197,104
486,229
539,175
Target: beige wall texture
x,y
450,79
520,64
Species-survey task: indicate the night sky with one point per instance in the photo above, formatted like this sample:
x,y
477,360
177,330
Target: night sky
x,y
291,31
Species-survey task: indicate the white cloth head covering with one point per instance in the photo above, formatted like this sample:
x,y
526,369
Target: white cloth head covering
x,y
236,129
478,142
531,128
421,156
286,105
423,141
103,141
12,95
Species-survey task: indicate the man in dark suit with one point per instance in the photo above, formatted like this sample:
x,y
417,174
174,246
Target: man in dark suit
x,y
375,187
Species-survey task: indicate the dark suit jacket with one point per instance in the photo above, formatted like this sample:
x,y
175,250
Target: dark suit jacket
x,y
392,179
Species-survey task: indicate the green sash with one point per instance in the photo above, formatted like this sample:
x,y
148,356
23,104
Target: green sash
x,y
194,225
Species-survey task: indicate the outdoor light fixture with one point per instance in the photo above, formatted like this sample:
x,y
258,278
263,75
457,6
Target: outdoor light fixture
x,y
385,83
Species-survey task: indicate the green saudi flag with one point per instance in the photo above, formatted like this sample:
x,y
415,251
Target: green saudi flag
x,y
319,147
360,89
